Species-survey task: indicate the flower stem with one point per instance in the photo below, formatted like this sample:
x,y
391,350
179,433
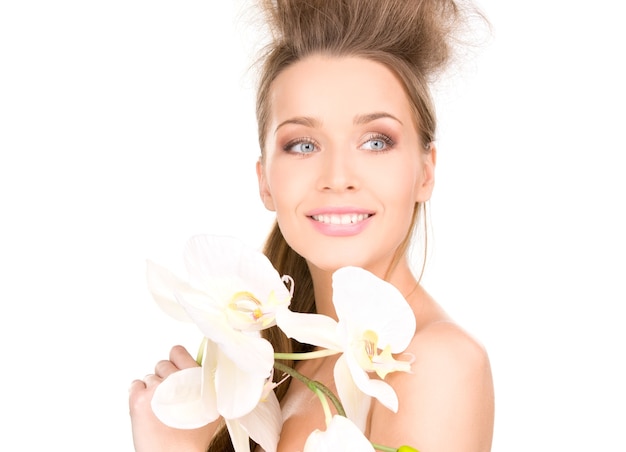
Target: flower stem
x,y
384,448
314,385
201,350
305,355
393,449
324,401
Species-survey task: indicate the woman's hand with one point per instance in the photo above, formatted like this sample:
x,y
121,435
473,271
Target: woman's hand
x,y
150,434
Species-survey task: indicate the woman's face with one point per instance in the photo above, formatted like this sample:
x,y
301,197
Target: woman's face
x,y
343,165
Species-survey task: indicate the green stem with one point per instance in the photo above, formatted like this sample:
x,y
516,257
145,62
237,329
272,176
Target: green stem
x,y
201,349
313,385
318,388
384,448
321,391
328,415
393,449
305,355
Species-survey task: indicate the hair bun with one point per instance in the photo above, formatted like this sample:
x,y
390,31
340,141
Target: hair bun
x,y
421,32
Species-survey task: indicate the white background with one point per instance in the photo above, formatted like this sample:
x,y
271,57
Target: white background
x,y
127,126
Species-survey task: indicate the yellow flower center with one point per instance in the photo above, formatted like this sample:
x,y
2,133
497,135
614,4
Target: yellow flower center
x,y
244,302
370,340
247,312
371,360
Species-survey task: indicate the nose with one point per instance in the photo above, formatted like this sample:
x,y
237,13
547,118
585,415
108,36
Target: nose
x,y
338,171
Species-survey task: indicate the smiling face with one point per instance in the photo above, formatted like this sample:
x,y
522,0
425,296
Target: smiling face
x,y
343,164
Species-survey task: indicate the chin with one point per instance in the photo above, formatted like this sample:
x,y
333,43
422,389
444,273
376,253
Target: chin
x,y
330,255
326,265
331,260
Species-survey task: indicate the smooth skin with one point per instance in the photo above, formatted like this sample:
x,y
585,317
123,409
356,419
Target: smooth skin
x,y
150,434
342,137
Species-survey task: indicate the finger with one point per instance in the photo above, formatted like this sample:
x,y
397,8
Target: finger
x,y
152,380
181,358
136,385
165,368
138,396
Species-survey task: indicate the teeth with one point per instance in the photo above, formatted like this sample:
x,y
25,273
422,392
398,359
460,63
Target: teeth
x,y
348,218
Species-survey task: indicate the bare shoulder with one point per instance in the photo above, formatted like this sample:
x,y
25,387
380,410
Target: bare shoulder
x,y
446,402
450,368
446,343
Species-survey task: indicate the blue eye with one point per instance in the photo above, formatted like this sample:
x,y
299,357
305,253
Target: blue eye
x,y
377,142
300,147
376,145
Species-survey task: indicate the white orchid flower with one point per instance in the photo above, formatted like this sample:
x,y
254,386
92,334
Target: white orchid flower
x,y
233,293
340,434
374,322
187,399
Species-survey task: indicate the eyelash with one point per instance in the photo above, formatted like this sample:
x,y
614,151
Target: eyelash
x,y
389,143
289,146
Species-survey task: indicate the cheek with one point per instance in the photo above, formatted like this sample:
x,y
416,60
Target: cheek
x,y
400,195
285,185
276,182
399,186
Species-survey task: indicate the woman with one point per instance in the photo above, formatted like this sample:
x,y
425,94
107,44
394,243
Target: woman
x,y
346,129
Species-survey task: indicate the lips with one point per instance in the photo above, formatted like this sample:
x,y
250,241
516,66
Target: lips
x,y
345,218
340,221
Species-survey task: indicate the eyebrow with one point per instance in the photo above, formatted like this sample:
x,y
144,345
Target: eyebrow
x,y
316,123
364,119
300,120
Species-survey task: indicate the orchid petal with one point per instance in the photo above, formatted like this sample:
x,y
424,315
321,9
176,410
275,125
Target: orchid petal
x,y
238,392
178,401
222,257
251,353
264,423
238,436
375,388
210,320
188,297
162,284
314,329
254,355
364,300
209,363
355,402
385,363
341,434
212,255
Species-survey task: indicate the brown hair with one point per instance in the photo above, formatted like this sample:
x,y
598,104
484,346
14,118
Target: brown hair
x,y
413,38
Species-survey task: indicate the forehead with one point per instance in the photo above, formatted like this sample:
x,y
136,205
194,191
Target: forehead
x,y
332,88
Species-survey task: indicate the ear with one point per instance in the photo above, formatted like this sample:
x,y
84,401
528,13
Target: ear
x,y
264,190
426,183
